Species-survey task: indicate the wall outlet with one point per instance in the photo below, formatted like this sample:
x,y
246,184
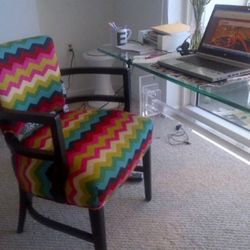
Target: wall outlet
x,y
70,47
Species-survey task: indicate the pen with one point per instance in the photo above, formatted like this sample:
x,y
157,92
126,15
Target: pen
x,y
113,26
151,56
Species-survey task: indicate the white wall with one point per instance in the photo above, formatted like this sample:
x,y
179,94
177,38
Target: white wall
x,y
18,19
82,23
138,14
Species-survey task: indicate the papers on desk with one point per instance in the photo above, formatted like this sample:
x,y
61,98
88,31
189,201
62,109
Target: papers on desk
x,y
154,57
147,54
137,47
170,29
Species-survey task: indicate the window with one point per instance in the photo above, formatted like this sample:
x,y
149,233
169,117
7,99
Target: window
x,y
235,116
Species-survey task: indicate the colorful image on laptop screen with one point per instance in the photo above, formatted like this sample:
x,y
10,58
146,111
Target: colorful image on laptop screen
x,y
232,34
228,34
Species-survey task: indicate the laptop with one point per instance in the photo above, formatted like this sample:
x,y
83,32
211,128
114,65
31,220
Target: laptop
x,y
224,51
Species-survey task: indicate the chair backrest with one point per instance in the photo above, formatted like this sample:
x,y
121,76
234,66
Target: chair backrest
x,y
30,78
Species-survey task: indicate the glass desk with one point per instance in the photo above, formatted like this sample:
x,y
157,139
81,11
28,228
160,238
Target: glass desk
x,y
226,92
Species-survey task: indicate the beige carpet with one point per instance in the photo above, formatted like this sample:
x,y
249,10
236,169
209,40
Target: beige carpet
x,y
201,200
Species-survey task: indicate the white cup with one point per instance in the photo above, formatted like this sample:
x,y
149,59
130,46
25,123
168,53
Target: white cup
x,y
122,36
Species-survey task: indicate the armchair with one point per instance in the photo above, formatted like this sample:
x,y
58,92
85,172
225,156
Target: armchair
x,y
78,157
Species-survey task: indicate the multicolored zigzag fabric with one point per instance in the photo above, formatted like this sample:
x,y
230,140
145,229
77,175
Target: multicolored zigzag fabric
x,y
103,147
30,76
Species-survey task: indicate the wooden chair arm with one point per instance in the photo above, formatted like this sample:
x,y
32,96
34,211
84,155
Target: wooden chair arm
x,y
124,72
52,120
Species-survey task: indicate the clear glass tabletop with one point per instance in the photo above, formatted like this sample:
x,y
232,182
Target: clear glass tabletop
x,y
233,93
124,56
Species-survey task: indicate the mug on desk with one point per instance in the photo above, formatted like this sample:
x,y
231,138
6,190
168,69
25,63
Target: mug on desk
x,y
121,36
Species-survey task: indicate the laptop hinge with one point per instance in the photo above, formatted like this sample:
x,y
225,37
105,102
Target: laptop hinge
x,y
221,59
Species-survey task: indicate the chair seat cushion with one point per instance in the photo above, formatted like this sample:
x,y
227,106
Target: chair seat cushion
x,y
103,147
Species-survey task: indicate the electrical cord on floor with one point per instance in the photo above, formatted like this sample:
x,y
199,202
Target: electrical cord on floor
x,y
179,137
116,92
103,106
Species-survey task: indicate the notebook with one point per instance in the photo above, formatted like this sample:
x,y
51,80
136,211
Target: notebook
x,y
224,51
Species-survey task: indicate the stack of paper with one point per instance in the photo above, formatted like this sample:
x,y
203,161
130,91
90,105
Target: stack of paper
x,y
152,58
168,29
151,37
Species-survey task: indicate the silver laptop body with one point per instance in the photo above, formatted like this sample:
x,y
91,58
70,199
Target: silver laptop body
x,y
224,50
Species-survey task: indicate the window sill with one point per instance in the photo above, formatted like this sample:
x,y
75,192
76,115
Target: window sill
x,y
238,139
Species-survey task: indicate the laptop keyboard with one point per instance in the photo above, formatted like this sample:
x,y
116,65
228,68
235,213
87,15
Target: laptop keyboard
x,y
201,62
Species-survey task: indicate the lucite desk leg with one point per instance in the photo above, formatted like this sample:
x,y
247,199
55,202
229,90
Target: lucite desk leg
x,y
135,176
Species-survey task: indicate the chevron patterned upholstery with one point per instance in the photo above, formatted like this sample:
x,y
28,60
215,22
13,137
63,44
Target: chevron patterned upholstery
x,y
30,77
102,147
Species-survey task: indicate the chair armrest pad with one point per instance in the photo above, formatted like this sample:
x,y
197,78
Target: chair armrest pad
x,y
53,120
23,116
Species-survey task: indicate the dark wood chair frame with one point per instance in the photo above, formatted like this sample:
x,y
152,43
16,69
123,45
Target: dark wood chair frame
x,y
98,235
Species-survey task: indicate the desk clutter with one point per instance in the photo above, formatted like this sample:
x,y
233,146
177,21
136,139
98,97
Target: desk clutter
x,y
165,37
153,44
140,53
137,48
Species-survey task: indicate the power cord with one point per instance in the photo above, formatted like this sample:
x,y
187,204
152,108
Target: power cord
x,y
179,137
71,50
116,92
183,49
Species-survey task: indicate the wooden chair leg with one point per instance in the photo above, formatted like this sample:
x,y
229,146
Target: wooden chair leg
x,y
23,205
98,228
147,175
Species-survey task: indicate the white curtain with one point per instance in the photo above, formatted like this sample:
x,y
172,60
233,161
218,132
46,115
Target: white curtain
x,y
164,11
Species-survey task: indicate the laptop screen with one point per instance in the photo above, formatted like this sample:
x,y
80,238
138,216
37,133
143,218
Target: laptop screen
x,y
228,33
